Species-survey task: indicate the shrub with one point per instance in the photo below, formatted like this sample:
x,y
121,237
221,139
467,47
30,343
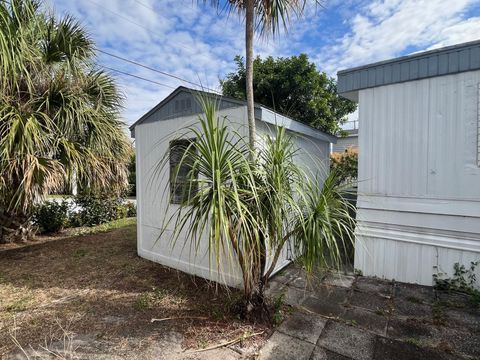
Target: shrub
x,y
131,209
96,209
51,216
132,185
345,164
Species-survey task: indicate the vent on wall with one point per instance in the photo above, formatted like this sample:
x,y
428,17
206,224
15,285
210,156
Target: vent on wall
x,y
183,105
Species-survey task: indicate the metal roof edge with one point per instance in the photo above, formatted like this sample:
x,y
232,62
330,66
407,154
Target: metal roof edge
x,y
448,60
420,54
301,127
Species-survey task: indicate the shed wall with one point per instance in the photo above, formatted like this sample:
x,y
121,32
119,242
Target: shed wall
x,y
152,141
419,180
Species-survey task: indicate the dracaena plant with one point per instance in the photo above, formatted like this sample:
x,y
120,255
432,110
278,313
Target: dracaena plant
x,y
249,209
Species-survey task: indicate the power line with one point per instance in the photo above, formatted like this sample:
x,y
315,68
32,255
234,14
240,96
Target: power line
x,y
136,76
139,64
119,15
138,24
153,69
145,5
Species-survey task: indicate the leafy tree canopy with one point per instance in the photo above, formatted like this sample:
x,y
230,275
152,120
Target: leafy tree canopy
x,y
292,86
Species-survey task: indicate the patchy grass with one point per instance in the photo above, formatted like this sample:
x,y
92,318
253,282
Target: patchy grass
x,y
58,196
99,281
69,232
109,226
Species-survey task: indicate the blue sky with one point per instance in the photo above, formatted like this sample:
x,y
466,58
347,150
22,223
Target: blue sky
x,y
197,43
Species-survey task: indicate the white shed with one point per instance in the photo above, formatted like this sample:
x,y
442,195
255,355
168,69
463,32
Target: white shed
x,y
419,164
153,135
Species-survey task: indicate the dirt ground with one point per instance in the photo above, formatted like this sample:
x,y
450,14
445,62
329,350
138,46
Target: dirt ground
x,y
96,288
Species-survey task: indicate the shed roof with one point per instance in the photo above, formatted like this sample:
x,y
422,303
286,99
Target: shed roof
x,y
262,113
445,61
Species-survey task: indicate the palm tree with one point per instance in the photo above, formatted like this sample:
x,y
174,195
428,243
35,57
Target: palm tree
x,y
59,114
267,16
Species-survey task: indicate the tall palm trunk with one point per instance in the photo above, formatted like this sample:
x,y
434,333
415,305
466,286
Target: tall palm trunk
x,y
249,33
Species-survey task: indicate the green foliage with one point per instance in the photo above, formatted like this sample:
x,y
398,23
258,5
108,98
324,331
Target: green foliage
x,y
132,176
325,232
345,164
51,216
244,206
278,304
464,280
131,209
59,113
292,86
96,209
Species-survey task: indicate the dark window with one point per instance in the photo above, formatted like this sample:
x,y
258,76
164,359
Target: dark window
x,y
180,171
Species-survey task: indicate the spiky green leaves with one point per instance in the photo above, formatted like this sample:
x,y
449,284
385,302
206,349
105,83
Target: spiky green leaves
x,y
249,210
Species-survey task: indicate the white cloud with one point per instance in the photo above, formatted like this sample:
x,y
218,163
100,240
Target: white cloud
x,y
198,43
385,29
176,36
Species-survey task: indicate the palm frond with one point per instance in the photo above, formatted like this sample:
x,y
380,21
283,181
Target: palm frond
x,y
59,115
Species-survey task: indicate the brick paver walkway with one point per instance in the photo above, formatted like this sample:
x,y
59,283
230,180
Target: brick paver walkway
x,y
349,317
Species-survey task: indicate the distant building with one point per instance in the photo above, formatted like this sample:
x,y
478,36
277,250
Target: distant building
x,y
349,141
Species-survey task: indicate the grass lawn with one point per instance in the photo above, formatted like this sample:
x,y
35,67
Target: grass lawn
x,y
95,286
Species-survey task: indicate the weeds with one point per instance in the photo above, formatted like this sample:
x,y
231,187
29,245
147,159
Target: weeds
x,y
414,300
112,225
464,280
438,314
278,304
143,302
414,342
58,345
19,305
358,272
79,253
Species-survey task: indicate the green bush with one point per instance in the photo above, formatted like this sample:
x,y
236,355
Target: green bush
x,y
96,209
132,185
131,209
51,216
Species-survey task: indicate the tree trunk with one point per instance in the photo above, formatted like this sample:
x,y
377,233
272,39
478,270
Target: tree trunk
x,y
15,228
249,33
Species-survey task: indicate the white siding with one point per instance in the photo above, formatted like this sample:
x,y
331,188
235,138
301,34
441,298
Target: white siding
x,y
152,139
419,180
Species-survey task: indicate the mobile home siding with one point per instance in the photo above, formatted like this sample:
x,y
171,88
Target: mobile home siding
x,y
419,179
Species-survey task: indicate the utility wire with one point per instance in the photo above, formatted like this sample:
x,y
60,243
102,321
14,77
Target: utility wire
x,y
138,24
138,77
145,5
139,64
155,70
